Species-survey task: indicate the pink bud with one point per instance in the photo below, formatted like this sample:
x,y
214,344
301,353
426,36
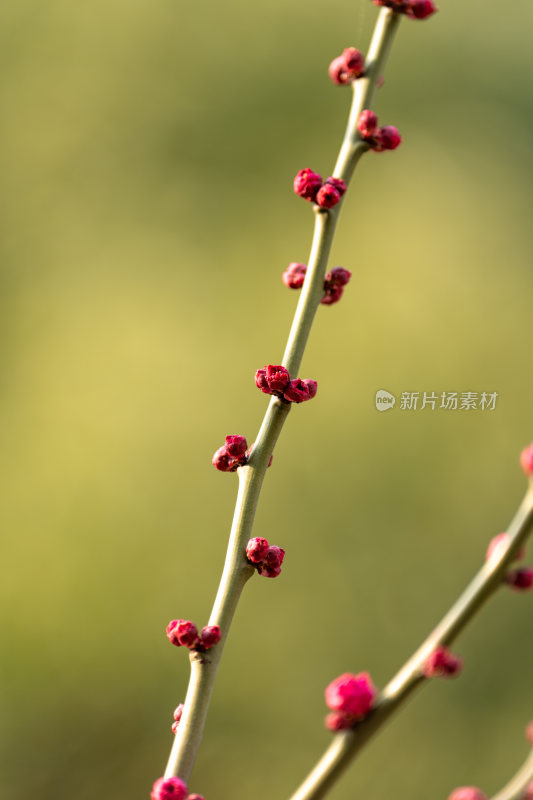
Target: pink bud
x,y
367,124
175,726
338,184
347,67
296,391
169,789
209,636
178,711
338,276
274,556
442,664
354,60
222,460
420,9
338,73
498,544
333,295
236,446
529,792
277,378
269,572
327,196
307,183
526,460
182,632
467,793
256,550
337,721
311,385
387,138
351,694
521,580
261,382
294,275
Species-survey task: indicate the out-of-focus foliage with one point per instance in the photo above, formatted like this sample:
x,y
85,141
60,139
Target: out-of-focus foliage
x,y
147,153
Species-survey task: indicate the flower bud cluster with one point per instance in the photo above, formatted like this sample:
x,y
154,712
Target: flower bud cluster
x,y
415,9
442,664
276,380
309,185
231,455
334,282
350,699
184,633
267,559
379,139
347,67
521,578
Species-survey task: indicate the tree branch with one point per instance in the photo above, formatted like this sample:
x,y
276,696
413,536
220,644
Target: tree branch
x,y
237,570
347,744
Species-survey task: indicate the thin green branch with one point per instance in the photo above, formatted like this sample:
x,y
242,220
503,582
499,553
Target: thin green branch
x,y
517,786
347,744
236,569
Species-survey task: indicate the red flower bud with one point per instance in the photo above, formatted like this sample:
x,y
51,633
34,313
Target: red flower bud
x,y
387,138
296,391
178,711
269,572
338,276
520,579
333,295
274,556
420,9
338,73
367,123
307,183
327,196
347,67
169,789
256,550
222,460
353,695
354,60
277,378
338,184
311,385
182,632
236,446
209,636
443,664
261,382
294,275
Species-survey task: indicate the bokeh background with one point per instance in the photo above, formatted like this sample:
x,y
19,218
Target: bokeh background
x,y
148,149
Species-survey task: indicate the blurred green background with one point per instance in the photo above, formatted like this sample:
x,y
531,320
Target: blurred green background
x,y
148,149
